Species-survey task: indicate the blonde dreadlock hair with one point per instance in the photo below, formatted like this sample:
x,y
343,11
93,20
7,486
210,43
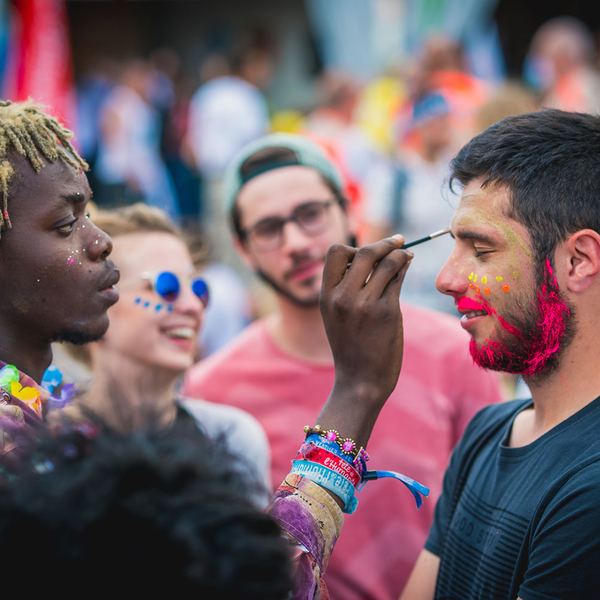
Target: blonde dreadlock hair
x,y
25,128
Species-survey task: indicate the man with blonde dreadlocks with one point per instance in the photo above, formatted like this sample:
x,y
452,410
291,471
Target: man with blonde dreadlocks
x,y
56,282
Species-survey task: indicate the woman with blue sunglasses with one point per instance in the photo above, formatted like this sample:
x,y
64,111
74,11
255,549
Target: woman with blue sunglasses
x,y
153,338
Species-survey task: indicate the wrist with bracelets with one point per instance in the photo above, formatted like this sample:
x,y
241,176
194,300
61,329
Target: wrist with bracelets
x,y
339,465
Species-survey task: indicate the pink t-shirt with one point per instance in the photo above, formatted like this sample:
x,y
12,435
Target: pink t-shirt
x,y
438,392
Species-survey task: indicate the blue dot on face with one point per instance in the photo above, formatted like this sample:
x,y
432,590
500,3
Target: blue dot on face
x,y
138,300
146,304
170,309
158,307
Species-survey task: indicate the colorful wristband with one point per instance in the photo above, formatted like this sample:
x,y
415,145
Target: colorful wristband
x,y
359,463
313,453
328,479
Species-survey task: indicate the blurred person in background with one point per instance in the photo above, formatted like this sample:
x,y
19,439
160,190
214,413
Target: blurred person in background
x,y
230,110
286,203
511,98
152,340
129,165
413,202
562,65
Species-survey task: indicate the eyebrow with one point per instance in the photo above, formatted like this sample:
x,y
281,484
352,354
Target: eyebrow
x,y
474,235
74,197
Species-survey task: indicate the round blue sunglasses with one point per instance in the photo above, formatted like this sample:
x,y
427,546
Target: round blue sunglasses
x,y
168,286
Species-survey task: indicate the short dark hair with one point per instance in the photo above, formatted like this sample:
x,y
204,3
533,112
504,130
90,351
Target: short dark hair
x,y
268,156
149,511
550,163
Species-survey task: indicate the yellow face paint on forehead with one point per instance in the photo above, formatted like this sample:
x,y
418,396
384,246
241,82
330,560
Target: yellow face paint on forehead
x,y
480,216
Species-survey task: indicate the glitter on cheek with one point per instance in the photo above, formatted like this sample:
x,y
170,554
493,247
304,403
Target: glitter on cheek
x,y
70,260
505,288
470,276
477,290
484,279
499,279
475,279
487,291
471,286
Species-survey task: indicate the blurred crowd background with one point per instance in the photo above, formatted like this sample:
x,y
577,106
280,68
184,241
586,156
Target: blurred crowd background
x,y
162,93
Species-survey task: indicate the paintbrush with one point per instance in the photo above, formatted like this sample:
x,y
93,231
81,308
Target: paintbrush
x,y
426,238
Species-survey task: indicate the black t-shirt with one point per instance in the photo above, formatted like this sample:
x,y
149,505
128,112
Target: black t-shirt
x,y
521,522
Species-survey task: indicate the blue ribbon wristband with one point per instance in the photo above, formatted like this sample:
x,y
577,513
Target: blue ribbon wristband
x,y
416,489
328,479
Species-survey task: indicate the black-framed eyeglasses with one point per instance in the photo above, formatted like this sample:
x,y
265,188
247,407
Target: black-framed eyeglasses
x,y
312,217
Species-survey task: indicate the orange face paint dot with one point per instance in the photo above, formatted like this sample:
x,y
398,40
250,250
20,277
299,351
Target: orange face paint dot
x,y
487,291
505,288
471,286
477,289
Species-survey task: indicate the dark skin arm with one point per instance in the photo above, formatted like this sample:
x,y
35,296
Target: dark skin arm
x,y
362,318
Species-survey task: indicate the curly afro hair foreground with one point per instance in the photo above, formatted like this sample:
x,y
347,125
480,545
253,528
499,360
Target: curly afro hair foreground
x,y
148,512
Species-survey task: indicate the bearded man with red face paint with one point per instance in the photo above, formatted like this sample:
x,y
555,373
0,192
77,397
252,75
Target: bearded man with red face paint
x,y
519,516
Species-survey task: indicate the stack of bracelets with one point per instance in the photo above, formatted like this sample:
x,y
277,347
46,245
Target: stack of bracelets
x,y
340,466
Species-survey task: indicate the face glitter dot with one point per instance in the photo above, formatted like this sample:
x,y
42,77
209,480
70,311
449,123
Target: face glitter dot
x,y
471,286
477,290
484,279
498,278
505,288
470,276
475,279
487,291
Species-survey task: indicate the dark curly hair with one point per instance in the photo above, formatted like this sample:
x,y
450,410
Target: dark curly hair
x,y
152,511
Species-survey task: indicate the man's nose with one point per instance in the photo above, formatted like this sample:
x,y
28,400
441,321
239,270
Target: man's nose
x,y
451,280
294,237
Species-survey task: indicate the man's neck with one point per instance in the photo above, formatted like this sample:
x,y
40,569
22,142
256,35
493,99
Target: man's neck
x,y
125,393
572,386
299,331
31,359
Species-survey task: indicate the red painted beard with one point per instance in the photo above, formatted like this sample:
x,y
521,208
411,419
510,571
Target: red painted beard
x,y
529,344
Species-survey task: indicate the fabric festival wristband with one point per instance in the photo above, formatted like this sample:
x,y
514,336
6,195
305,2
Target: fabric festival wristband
x,y
330,480
323,457
332,447
416,489
358,463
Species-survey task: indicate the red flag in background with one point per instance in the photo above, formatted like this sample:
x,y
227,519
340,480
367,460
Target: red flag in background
x,y
41,51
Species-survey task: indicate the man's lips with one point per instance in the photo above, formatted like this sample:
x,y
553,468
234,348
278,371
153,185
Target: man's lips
x,y
304,269
465,305
111,279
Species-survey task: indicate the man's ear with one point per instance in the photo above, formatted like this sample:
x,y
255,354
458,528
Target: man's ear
x,y
240,246
580,258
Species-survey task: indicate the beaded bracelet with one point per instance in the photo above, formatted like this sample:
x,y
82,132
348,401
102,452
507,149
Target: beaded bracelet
x,y
313,453
330,480
359,463
347,445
